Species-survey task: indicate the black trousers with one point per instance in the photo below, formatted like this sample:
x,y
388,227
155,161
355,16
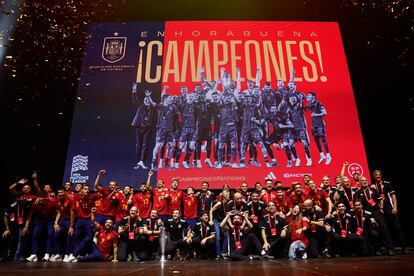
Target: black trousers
x,y
394,227
251,246
205,251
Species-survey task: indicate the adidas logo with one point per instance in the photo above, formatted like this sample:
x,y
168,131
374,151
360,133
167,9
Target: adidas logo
x,y
271,175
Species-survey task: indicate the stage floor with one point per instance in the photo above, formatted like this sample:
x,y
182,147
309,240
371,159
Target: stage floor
x,y
396,265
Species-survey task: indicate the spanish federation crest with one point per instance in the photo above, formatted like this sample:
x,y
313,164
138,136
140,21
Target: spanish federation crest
x,y
114,49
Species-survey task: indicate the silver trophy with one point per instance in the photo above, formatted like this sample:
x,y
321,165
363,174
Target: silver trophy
x,y
163,242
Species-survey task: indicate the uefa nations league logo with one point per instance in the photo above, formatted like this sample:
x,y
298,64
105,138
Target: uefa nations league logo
x,y
113,49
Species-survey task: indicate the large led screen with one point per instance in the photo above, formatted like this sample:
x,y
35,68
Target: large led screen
x,y
219,101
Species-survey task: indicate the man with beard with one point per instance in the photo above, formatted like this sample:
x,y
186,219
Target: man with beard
x,y
283,204
256,209
175,197
205,199
268,194
243,244
110,197
152,229
203,238
143,199
320,199
107,242
131,237
298,196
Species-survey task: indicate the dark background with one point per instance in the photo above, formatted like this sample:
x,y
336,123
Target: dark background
x,y
38,80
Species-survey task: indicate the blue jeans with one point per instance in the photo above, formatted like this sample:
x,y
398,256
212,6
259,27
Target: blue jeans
x,y
62,238
294,247
221,248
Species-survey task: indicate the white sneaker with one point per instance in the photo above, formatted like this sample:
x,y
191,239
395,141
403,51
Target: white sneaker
x,y
208,162
308,162
234,165
242,165
177,165
305,255
323,158
56,258
289,164
65,259
328,159
219,166
32,258
142,165
198,165
70,259
297,164
186,165
46,258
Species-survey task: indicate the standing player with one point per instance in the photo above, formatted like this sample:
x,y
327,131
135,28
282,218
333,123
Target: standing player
x,y
318,127
165,127
250,133
298,119
142,123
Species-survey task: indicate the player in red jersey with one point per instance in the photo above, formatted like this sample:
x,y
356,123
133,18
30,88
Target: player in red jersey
x,y
107,241
320,198
268,194
124,205
283,204
298,196
83,229
190,207
64,225
160,197
176,197
108,205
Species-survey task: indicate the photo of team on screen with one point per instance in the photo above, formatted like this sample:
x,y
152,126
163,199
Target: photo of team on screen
x,y
229,124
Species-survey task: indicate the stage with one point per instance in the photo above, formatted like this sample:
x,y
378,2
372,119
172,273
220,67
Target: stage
x,y
396,265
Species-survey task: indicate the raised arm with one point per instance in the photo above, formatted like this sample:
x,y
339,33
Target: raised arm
x,y
98,185
344,166
148,184
36,183
258,76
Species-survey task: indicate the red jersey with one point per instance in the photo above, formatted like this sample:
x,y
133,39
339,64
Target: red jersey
x,y
45,208
298,199
106,241
190,207
175,200
123,209
319,198
108,204
143,202
65,205
283,205
303,237
161,205
84,203
268,196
